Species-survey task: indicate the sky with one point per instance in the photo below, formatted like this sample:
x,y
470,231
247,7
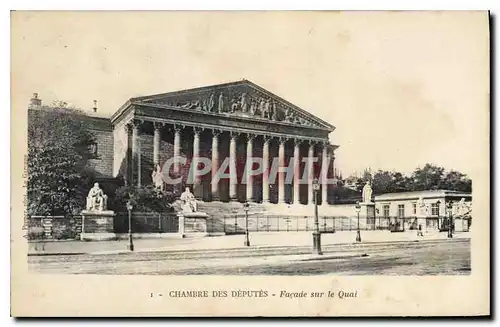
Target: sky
x,y
402,89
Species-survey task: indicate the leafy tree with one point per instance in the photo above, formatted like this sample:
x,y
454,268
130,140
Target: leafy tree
x,y
58,150
457,181
430,177
145,198
382,182
360,183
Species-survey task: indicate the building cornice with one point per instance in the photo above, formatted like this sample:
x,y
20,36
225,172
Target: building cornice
x,y
225,128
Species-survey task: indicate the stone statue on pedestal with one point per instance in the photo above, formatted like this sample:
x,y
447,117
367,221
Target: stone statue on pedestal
x,y
157,178
189,203
423,210
96,199
463,208
367,193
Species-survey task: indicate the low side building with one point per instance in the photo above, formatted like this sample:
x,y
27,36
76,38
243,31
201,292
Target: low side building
x,y
404,208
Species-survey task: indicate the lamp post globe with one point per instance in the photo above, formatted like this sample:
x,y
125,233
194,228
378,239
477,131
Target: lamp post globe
x,y
357,208
316,232
246,207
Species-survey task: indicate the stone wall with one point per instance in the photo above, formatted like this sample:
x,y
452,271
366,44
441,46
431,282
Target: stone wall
x,y
55,227
103,165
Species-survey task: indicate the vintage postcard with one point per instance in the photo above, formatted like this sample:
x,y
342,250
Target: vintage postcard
x,y
250,163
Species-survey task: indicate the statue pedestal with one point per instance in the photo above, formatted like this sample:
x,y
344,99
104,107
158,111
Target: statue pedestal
x,y
367,215
98,225
422,221
192,224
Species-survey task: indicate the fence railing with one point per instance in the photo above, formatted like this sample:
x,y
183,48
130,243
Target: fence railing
x,y
70,227
327,224
275,223
147,223
59,227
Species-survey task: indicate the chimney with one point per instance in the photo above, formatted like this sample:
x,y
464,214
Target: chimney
x,y
95,106
35,102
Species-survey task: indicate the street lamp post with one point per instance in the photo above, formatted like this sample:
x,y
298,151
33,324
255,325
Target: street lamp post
x,y
246,207
450,219
357,208
438,204
130,241
316,232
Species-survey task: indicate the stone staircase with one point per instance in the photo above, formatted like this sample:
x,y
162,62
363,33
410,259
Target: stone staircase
x,y
229,217
217,208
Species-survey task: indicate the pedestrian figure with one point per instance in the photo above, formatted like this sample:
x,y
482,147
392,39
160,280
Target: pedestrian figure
x,y
419,233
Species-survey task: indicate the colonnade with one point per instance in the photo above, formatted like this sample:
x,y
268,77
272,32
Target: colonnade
x,y
327,158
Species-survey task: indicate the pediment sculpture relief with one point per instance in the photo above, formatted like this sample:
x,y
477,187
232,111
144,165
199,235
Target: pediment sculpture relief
x,y
228,101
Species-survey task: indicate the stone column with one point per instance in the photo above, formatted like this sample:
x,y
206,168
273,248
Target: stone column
x,y
215,164
310,174
296,172
136,175
195,162
248,167
177,147
324,174
156,144
265,170
281,174
233,178
177,155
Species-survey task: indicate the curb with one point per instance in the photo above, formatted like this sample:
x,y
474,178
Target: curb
x,y
251,249
45,254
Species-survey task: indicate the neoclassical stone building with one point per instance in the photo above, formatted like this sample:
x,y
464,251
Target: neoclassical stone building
x,y
235,120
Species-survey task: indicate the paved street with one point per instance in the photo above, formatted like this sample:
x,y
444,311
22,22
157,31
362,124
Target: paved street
x,y
172,242
428,257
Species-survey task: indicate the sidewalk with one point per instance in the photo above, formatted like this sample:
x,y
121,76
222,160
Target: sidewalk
x,y
260,240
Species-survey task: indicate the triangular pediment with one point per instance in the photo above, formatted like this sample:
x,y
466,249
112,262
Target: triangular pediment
x,y
242,98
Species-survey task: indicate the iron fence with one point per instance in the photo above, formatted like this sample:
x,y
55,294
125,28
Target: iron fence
x,y
235,223
147,223
327,224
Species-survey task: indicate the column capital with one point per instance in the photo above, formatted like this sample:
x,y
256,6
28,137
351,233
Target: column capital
x,y
178,127
283,139
251,136
267,138
216,132
298,142
311,143
198,130
158,125
133,124
234,135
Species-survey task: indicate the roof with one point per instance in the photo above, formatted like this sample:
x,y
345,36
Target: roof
x,y
96,122
423,194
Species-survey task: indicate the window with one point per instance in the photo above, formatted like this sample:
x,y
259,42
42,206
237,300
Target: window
x,y
434,209
385,209
401,210
414,204
93,149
